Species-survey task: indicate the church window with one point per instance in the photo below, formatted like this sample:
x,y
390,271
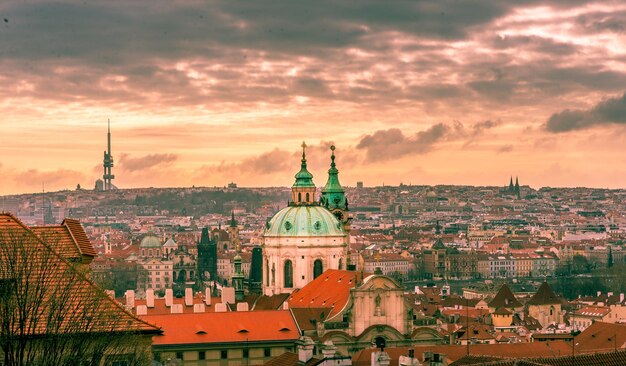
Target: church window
x,y
317,268
288,274
307,197
299,197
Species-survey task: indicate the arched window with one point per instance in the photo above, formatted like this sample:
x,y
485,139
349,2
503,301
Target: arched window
x,y
288,274
150,252
307,197
299,197
317,268
551,310
340,264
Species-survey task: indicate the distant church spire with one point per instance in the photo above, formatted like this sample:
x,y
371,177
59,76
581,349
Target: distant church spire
x,y
107,163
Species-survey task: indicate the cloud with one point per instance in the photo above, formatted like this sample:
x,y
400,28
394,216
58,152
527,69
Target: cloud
x,y
50,179
131,164
608,111
393,144
505,148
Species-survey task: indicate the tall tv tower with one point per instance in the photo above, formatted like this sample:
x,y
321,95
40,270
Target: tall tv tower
x,y
108,163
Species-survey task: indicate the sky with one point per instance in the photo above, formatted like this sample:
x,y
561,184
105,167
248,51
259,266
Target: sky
x,y
204,93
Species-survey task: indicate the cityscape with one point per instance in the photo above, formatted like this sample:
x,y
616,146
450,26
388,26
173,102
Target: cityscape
x,y
389,207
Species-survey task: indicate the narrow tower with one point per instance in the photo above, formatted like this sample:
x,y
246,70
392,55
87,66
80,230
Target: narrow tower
x,y
333,196
238,276
108,162
233,232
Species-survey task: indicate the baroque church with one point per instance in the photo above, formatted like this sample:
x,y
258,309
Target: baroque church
x,y
308,236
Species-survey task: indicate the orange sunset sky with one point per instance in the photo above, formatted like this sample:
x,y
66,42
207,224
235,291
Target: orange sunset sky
x,y
206,92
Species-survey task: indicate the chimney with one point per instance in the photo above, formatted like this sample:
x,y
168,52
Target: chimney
x,y
199,308
220,307
285,305
169,297
176,309
188,296
304,347
621,297
130,299
609,294
111,293
142,310
242,306
228,295
207,296
380,358
150,298
598,293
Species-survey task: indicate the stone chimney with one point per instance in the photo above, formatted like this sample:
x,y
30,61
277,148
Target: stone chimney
x,y
150,298
142,310
304,347
188,296
380,358
130,299
228,295
176,309
169,297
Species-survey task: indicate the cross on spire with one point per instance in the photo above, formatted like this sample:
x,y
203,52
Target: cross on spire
x,y
303,150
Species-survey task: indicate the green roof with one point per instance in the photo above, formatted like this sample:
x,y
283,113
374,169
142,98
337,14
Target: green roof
x,y
333,195
304,178
303,221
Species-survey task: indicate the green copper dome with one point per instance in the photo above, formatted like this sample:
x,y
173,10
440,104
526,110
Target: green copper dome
x,y
304,178
303,221
150,242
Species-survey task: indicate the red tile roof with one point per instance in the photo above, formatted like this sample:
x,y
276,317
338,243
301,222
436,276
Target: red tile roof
x,y
60,277
330,289
68,239
231,327
455,352
601,337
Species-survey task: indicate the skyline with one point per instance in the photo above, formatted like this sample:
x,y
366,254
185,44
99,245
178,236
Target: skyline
x,y
205,93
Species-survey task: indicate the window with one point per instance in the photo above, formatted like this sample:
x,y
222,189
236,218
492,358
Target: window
x,y
246,353
267,352
201,355
179,355
288,274
307,197
317,268
224,354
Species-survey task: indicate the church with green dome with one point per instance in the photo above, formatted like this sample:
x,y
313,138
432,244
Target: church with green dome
x,y
308,236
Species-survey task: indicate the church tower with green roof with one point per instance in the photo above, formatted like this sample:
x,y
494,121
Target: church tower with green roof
x,y
333,196
303,189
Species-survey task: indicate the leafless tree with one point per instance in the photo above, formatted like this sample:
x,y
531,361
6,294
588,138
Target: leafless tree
x,y
52,314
